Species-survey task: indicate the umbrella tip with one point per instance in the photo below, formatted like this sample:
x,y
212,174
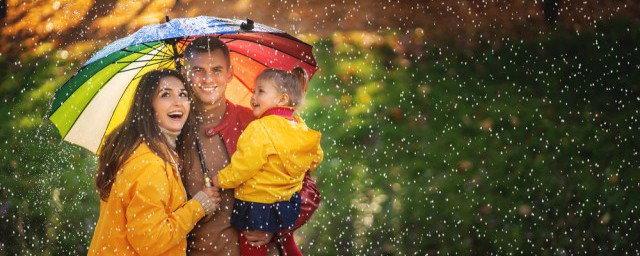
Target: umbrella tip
x,y
166,18
248,25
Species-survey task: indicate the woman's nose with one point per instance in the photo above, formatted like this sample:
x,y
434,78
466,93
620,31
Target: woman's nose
x,y
178,100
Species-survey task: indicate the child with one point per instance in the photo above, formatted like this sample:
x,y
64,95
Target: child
x,y
272,156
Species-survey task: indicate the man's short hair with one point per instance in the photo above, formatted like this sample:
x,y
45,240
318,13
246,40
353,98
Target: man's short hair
x,y
206,44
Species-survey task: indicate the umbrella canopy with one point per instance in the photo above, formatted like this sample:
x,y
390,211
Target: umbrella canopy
x,y
97,98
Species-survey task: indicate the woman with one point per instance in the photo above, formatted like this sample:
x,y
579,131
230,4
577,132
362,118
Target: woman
x,y
143,208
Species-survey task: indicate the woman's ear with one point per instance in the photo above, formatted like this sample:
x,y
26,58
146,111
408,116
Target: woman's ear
x,y
284,100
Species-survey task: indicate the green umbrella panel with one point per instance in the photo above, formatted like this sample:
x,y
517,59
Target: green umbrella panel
x,y
96,100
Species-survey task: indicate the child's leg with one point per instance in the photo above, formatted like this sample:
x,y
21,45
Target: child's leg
x,y
289,246
247,249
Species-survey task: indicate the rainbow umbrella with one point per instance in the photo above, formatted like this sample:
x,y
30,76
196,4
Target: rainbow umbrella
x,y
96,99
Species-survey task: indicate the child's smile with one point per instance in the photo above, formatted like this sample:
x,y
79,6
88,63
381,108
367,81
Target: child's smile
x,y
266,96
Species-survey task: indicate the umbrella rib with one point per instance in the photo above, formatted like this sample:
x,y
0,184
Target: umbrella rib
x,y
134,61
126,70
147,45
183,46
51,112
129,51
257,61
242,80
151,62
279,34
165,61
274,34
157,46
290,38
243,83
159,63
234,39
63,93
167,53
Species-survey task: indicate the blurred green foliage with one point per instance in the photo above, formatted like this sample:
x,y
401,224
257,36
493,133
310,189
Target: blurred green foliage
x,y
529,146
47,201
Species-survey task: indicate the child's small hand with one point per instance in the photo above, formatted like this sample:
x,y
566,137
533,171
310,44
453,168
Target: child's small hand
x,y
257,237
214,182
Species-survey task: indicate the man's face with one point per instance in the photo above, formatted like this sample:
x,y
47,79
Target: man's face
x,y
208,74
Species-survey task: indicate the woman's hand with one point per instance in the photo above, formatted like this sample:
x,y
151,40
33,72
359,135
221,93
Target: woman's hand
x,y
214,194
257,237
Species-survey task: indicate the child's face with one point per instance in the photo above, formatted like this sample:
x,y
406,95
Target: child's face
x,y
266,96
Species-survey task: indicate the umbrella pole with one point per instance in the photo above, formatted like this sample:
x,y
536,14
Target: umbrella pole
x,y
203,165
176,56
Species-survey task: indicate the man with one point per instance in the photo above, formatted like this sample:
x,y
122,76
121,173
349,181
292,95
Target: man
x,y
207,67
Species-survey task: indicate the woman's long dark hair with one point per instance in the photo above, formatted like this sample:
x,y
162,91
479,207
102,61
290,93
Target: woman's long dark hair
x,y
139,126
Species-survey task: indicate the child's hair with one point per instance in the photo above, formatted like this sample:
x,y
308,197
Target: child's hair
x,y
292,83
140,126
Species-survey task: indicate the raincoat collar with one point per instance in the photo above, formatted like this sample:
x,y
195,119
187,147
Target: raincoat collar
x,y
286,112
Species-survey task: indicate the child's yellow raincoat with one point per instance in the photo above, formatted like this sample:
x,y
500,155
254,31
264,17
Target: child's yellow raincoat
x,y
271,159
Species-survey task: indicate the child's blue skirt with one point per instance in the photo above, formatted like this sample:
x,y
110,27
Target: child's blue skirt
x,y
266,217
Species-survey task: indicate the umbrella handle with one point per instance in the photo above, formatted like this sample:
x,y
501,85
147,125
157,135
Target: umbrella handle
x,y
207,181
203,165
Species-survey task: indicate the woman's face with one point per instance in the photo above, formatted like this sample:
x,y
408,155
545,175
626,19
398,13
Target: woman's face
x,y
171,104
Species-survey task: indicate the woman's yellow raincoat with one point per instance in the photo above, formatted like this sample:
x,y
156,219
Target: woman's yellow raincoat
x,y
147,212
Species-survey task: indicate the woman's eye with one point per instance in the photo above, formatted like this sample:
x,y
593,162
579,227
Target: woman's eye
x,y
164,94
183,94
